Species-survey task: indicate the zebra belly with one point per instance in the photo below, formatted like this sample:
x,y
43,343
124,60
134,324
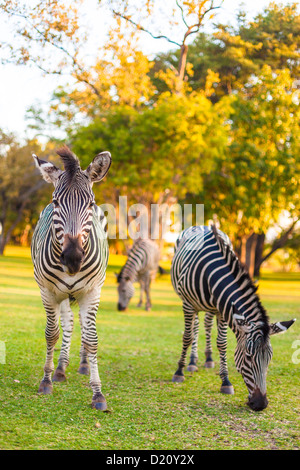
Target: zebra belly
x,y
191,297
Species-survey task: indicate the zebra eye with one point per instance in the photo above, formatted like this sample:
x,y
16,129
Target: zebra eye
x,y
55,202
91,204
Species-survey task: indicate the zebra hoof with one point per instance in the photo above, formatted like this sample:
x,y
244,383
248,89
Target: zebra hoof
x,y
99,402
227,389
45,388
178,378
192,368
209,364
59,376
84,369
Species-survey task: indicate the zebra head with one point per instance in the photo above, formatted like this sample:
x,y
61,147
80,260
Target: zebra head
x,y
125,291
253,355
73,201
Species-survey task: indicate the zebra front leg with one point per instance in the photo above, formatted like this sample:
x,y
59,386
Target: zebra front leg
x,y
208,324
189,317
84,367
51,334
88,309
67,320
192,367
226,386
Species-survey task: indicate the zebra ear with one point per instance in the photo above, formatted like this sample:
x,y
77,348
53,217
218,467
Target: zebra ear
x,y
281,326
49,172
99,167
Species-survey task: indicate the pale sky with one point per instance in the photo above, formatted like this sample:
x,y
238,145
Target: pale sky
x,y
21,87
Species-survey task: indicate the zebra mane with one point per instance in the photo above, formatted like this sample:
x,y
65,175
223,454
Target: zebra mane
x,y
243,279
70,162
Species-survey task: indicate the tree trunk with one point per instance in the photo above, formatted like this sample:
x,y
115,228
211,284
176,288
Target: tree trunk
x,y
258,253
2,244
249,250
182,61
251,254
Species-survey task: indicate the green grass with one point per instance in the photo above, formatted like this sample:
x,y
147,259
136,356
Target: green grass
x,y
138,354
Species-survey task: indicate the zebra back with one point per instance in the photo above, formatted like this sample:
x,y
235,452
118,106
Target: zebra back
x,y
143,256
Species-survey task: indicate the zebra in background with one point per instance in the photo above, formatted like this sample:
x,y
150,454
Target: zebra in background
x,y
141,266
207,276
70,254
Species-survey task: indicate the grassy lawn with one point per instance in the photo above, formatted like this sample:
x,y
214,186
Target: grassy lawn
x,y
138,354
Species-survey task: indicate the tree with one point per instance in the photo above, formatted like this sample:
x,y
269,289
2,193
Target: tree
x,y
48,36
52,37
192,13
259,177
22,192
158,153
236,52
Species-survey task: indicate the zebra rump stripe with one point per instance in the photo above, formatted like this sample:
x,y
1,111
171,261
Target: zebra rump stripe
x,y
208,276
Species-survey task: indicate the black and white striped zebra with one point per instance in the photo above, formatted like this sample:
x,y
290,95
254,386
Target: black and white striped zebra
x,y
70,254
141,266
208,276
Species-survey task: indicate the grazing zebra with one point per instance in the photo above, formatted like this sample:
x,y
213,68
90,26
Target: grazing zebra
x,y
70,253
141,266
207,275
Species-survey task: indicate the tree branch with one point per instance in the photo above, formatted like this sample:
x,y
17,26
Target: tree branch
x,y
73,58
280,242
141,28
182,13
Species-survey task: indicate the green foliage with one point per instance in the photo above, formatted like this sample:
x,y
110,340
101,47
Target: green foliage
x,y
21,188
235,53
258,177
155,149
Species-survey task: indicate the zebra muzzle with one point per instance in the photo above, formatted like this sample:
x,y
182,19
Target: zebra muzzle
x,y
258,401
72,255
121,308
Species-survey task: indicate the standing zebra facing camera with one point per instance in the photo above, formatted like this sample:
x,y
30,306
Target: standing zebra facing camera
x,y
207,276
141,266
70,254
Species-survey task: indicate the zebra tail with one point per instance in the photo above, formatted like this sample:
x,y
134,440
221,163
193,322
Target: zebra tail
x,y
161,270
